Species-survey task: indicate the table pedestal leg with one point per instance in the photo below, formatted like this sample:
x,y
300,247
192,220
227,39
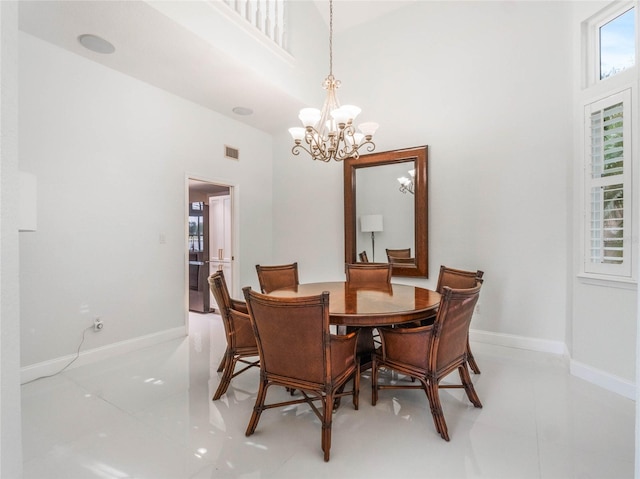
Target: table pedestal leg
x,y
366,347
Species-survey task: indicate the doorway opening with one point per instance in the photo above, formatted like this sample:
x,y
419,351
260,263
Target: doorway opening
x,y
210,240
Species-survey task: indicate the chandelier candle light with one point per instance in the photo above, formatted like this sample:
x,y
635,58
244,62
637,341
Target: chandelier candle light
x,y
330,134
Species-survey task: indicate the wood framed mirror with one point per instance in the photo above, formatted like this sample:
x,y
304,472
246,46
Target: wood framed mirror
x,y
379,216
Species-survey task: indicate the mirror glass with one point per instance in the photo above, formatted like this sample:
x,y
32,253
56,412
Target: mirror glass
x,y
378,199
380,216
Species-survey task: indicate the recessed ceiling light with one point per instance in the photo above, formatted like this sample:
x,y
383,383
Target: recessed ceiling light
x,y
96,43
241,110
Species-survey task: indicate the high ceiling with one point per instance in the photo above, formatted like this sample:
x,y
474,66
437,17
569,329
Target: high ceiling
x,y
153,48
349,13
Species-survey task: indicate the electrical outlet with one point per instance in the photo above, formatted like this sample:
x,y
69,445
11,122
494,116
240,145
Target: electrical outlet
x,y
98,325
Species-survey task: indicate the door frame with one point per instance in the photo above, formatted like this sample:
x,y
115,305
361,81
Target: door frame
x,y
235,235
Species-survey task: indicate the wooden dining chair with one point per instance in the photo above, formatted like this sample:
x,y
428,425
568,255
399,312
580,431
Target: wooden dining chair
x,y
307,358
430,353
233,304
363,257
241,343
395,254
458,279
368,274
277,277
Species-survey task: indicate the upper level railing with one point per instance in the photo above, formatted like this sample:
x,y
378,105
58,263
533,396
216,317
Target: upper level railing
x,y
267,16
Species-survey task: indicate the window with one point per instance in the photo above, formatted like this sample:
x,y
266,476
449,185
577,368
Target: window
x,y
617,44
609,102
610,42
607,186
196,226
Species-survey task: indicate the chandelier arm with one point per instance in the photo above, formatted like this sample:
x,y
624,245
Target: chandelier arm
x,y
345,150
315,140
355,153
370,145
318,149
347,135
297,147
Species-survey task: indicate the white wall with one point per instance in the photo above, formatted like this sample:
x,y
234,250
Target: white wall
x,y
10,418
487,86
111,155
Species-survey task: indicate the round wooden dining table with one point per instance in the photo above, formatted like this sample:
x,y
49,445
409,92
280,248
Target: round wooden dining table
x,y
369,307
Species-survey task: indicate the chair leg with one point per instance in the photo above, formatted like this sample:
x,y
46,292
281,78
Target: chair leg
x,y
327,414
356,388
471,360
355,392
374,381
468,386
223,360
257,408
227,374
433,395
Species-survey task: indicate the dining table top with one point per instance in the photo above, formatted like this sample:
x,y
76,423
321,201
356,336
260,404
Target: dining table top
x,y
367,306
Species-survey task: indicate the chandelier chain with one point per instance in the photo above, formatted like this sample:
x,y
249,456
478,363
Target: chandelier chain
x,y
331,37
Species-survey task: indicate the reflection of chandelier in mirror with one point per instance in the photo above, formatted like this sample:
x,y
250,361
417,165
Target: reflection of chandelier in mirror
x,y
330,134
407,184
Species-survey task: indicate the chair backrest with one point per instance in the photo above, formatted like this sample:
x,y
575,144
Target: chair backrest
x,y
218,286
277,277
292,335
368,274
448,343
237,333
398,253
457,278
363,257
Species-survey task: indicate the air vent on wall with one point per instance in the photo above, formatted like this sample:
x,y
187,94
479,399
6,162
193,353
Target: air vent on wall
x,y
232,153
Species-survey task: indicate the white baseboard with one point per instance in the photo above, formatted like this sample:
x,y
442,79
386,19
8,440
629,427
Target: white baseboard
x,y
595,376
45,368
605,380
519,342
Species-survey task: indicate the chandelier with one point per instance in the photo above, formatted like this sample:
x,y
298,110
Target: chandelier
x,y
407,184
329,134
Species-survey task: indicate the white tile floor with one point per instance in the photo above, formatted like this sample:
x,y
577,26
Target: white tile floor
x,y
149,414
